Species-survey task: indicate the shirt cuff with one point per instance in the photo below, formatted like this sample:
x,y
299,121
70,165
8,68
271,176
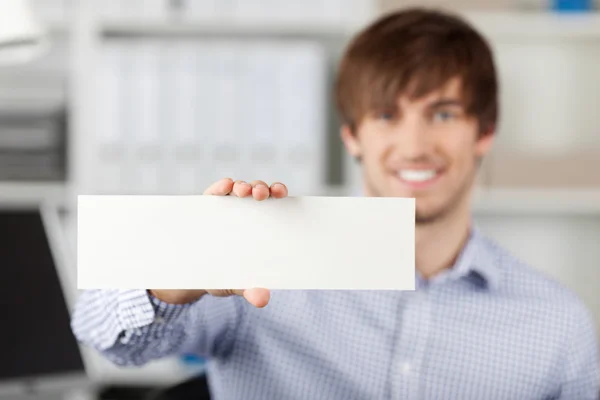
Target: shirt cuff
x,y
166,312
134,309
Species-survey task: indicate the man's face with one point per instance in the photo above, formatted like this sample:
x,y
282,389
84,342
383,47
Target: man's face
x,y
428,149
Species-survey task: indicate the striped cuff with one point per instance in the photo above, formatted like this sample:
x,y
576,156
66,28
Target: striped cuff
x,y
166,312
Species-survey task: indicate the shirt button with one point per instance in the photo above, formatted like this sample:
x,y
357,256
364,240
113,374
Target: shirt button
x,y
405,368
159,320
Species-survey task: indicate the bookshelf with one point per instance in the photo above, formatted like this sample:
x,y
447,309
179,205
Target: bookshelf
x,y
242,29
503,28
537,202
510,181
521,25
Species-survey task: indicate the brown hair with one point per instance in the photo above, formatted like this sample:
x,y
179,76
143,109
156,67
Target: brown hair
x,y
413,52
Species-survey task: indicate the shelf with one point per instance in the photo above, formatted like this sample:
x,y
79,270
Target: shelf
x,y
495,201
495,24
226,28
573,202
33,192
570,171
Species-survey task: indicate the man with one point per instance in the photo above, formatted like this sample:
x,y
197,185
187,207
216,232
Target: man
x,y
417,93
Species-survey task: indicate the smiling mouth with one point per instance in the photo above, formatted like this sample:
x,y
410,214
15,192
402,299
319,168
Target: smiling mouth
x,y
418,178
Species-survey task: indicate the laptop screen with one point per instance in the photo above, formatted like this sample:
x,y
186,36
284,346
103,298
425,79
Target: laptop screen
x,y
35,335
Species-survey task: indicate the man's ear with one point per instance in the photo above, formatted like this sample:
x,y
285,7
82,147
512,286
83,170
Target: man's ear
x,y
484,143
351,142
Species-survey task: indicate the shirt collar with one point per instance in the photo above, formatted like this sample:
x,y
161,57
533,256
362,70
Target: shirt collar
x,y
475,264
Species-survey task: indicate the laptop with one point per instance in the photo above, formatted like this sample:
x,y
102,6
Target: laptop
x,y
38,351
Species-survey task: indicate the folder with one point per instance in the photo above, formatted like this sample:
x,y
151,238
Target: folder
x,y
180,123
111,155
257,116
226,138
143,116
303,119
206,114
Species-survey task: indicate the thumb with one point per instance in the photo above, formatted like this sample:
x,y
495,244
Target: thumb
x,y
258,297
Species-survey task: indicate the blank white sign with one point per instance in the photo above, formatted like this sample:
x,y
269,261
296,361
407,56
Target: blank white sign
x,y
216,242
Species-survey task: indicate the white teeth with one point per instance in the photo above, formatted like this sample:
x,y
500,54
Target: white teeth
x,y
413,175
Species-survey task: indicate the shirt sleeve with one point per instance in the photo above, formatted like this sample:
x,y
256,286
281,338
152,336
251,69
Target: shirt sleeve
x,y
131,327
582,366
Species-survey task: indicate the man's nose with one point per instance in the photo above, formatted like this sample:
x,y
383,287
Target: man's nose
x,y
411,139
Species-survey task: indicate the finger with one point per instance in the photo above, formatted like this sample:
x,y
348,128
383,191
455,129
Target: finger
x,y
260,190
242,189
279,190
225,292
221,187
257,297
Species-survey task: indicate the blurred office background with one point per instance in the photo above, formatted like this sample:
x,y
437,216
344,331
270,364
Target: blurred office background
x,y
166,96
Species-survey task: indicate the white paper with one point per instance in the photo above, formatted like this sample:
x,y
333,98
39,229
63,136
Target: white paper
x,y
210,242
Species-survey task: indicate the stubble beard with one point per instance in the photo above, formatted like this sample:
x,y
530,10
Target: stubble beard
x,y
447,209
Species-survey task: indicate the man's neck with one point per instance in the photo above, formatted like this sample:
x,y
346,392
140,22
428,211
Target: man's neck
x,y
438,244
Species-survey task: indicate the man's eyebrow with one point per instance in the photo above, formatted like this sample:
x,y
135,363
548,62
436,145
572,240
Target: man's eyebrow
x,y
445,103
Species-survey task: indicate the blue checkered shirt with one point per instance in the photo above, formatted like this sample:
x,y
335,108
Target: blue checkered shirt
x,y
490,328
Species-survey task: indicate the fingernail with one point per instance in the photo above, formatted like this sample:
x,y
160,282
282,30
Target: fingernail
x,y
260,185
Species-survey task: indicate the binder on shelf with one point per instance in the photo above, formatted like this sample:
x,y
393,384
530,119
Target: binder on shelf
x,y
302,106
258,111
142,117
206,114
111,154
226,138
180,112
32,144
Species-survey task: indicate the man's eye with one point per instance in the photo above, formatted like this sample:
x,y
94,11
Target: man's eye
x,y
443,116
386,116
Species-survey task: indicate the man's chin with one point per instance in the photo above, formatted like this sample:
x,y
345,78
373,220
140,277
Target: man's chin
x,y
425,217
